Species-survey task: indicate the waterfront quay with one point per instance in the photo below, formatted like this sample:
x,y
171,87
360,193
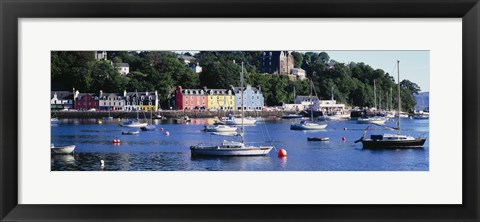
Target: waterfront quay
x,y
166,114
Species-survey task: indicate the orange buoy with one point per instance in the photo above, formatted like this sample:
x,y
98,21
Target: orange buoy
x,y
282,153
167,133
344,139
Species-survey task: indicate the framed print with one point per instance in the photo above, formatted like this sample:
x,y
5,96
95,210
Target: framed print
x,y
268,110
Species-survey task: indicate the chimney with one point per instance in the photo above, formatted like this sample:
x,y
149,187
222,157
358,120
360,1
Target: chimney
x,y
124,93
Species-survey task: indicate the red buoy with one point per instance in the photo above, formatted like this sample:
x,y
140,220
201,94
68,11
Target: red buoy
x,y
116,141
282,153
161,129
344,139
167,133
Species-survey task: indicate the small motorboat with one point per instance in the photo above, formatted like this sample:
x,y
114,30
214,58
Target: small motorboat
x,y
158,117
292,116
184,119
220,128
225,134
148,128
54,121
62,149
318,139
130,132
133,124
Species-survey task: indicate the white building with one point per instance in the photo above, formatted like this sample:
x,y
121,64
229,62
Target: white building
x,y
111,101
196,68
299,73
101,55
123,68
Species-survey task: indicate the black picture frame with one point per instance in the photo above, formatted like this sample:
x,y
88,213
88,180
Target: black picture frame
x,y
11,11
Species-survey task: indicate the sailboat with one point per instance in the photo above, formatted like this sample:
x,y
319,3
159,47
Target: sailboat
x,y
135,123
309,125
392,141
337,115
231,148
379,120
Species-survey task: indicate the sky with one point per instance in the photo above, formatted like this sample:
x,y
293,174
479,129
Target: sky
x,y
414,65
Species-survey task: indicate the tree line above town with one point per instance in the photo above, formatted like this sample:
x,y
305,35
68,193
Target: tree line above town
x,y
163,71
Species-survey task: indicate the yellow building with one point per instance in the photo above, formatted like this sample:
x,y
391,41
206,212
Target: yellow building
x,y
221,99
148,101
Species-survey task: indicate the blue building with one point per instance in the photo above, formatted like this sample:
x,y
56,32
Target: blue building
x,y
252,98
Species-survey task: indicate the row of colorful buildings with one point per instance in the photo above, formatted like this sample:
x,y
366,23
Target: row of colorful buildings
x,y
219,99
185,99
126,101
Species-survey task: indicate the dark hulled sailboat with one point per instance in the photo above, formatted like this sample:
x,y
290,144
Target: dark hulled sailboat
x,y
392,141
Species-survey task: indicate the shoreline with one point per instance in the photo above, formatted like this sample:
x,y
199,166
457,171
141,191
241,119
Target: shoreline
x,y
166,113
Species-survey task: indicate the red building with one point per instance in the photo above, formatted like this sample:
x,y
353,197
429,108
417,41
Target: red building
x,y
86,101
190,99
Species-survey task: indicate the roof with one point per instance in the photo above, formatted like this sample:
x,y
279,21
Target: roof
x,y
219,91
238,89
121,64
62,95
306,98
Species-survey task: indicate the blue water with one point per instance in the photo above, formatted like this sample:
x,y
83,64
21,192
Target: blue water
x,y
154,151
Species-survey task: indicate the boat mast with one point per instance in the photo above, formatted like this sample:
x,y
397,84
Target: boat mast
x,y
374,95
311,100
399,101
293,94
241,88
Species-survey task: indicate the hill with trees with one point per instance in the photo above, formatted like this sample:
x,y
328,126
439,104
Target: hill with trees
x,y
164,71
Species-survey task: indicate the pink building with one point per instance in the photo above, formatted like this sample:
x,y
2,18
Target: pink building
x,y
86,101
190,99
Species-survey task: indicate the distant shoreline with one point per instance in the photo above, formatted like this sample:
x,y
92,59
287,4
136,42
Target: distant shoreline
x,y
166,113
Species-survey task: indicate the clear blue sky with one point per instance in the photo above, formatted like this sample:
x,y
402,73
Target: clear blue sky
x,y
414,65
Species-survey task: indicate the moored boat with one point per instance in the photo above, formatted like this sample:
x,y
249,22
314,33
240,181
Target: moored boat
x,y
220,128
323,139
372,120
392,141
292,116
54,121
133,124
62,149
232,148
130,132
232,120
148,128
307,125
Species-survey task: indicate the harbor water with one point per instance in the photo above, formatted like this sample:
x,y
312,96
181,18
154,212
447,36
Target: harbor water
x,y
155,151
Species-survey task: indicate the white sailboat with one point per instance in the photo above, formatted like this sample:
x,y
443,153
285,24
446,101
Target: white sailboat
x,y
232,120
309,125
220,128
62,149
392,141
135,123
231,148
375,119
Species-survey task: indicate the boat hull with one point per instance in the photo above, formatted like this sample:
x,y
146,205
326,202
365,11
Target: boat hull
x,y
292,117
134,125
371,121
239,122
398,144
323,139
308,127
217,151
63,149
220,128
